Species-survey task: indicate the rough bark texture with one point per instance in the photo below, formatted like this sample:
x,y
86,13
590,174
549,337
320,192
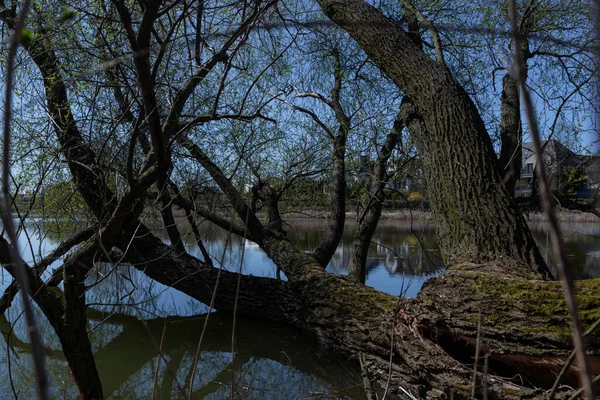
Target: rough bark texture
x,y
73,330
475,217
525,327
525,332
261,298
270,200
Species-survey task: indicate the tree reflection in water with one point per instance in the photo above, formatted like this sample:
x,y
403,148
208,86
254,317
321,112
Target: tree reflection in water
x,y
271,361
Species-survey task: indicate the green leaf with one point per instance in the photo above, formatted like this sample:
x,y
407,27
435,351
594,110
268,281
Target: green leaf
x,y
67,14
27,37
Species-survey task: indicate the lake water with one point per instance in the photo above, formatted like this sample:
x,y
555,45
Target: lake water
x,y
270,361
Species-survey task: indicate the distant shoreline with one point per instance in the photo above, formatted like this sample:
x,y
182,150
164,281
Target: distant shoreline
x,y
407,215
387,215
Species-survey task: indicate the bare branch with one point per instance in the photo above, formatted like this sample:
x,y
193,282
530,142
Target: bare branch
x,y
309,113
437,42
12,289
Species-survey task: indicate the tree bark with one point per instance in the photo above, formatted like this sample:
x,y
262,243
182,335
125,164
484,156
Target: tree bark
x,y
166,211
511,132
261,298
81,160
254,227
11,291
475,217
526,334
423,345
434,335
73,333
270,199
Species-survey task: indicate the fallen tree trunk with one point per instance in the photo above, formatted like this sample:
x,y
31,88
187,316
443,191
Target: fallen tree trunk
x,y
527,331
524,323
261,298
525,326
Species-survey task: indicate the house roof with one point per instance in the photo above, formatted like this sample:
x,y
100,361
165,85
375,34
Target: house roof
x,y
557,152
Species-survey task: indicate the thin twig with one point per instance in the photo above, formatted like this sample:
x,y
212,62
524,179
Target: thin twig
x,y
569,362
558,247
476,355
365,376
210,309
316,23
40,267
159,352
160,346
578,393
406,392
235,304
391,359
437,41
485,377
21,275
8,359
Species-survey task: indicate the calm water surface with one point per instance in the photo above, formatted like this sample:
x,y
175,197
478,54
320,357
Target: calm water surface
x,y
271,361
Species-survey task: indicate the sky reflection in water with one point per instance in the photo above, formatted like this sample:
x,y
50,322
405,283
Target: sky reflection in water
x,y
271,362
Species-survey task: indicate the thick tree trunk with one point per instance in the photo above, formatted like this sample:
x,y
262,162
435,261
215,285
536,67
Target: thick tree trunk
x,y
511,132
81,160
524,323
357,270
261,298
270,200
73,333
475,217
423,345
